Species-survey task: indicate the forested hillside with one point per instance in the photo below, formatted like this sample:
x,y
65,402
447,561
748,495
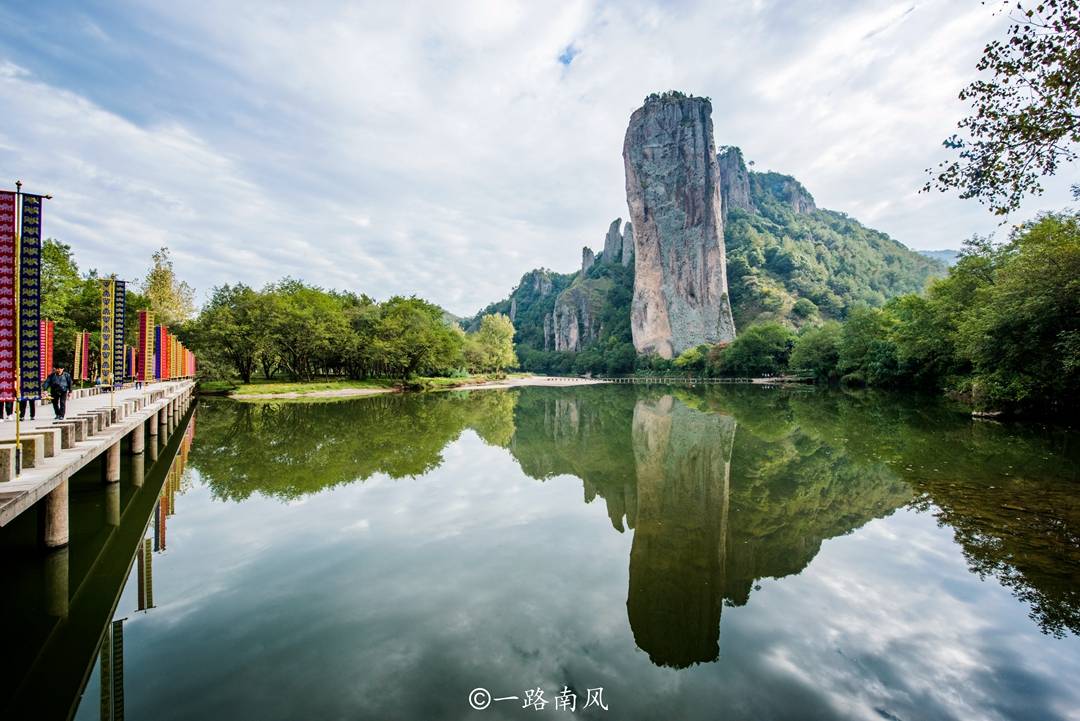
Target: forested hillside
x,y
791,261
787,261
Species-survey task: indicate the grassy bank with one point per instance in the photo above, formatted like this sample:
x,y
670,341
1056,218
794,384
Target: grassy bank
x,y
329,388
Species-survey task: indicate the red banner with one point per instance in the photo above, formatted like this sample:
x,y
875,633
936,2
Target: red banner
x,y
46,337
7,296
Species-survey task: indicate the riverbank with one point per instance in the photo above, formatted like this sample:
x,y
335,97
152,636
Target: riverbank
x,y
338,389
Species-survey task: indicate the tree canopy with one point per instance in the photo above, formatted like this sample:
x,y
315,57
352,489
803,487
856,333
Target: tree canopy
x,y
1025,110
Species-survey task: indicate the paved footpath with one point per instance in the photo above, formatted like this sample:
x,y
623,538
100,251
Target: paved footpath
x,y
95,424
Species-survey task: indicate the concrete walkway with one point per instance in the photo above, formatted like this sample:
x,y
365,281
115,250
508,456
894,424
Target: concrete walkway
x,y
52,450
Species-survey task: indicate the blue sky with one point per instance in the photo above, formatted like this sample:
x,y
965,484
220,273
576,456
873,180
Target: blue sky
x,y
444,149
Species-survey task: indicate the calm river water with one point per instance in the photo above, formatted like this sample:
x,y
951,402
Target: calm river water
x,y
723,553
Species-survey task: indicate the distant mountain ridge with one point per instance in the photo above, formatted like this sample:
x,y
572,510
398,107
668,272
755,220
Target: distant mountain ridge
x,y
787,260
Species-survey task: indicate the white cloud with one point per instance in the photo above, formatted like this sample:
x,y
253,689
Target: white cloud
x,y
444,149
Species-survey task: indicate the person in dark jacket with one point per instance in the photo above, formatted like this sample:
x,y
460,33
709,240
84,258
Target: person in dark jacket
x,y
58,384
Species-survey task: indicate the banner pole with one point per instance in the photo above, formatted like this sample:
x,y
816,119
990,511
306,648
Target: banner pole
x,y
18,324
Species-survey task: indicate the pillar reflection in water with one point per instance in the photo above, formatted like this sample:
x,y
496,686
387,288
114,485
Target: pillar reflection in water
x,y
57,575
112,504
138,469
678,556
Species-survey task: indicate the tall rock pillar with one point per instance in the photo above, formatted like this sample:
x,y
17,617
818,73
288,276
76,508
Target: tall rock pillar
x,y
673,192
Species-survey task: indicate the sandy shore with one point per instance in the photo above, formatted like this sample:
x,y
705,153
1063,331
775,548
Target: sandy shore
x,y
356,392
339,393
547,381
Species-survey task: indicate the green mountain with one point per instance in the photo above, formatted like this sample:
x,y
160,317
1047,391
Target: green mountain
x,y
787,260
791,261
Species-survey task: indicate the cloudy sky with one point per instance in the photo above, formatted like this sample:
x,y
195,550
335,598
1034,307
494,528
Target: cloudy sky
x,y
445,148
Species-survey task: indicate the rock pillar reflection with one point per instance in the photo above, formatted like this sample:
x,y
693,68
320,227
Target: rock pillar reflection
x,y
678,557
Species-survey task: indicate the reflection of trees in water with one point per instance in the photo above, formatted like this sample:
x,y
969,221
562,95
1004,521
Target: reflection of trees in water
x,y
714,510
1007,491
1011,500
291,449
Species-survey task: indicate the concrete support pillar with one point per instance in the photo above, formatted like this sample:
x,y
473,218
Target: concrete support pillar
x,y
57,564
112,504
138,439
154,445
56,517
112,463
138,469
154,425
163,417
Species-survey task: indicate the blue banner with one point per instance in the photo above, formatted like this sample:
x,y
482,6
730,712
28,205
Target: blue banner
x,y
30,299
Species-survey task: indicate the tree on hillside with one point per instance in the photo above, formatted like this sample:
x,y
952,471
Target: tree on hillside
x,y
231,328
491,348
413,337
305,327
172,300
1025,116
60,279
817,350
762,349
1021,333
867,351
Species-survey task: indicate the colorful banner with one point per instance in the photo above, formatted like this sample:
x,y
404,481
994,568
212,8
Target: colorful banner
x,y
146,346
85,375
46,336
77,364
160,332
7,296
108,317
129,361
30,298
119,312
80,369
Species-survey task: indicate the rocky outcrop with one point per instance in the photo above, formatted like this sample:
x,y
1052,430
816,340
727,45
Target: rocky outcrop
x,y
549,341
628,244
784,189
513,308
539,281
613,243
794,194
574,324
587,259
734,180
673,192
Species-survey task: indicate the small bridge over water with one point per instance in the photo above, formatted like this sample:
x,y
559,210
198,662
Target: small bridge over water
x,y
691,380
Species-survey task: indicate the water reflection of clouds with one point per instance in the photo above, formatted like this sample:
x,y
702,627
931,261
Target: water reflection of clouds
x,y
874,633
475,574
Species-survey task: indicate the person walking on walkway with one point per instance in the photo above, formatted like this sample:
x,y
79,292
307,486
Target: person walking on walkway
x,y
58,384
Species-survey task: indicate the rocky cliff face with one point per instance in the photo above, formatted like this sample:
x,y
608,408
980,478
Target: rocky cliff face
x,y
628,244
573,322
587,259
734,180
613,243
538,280
785,189
673,192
